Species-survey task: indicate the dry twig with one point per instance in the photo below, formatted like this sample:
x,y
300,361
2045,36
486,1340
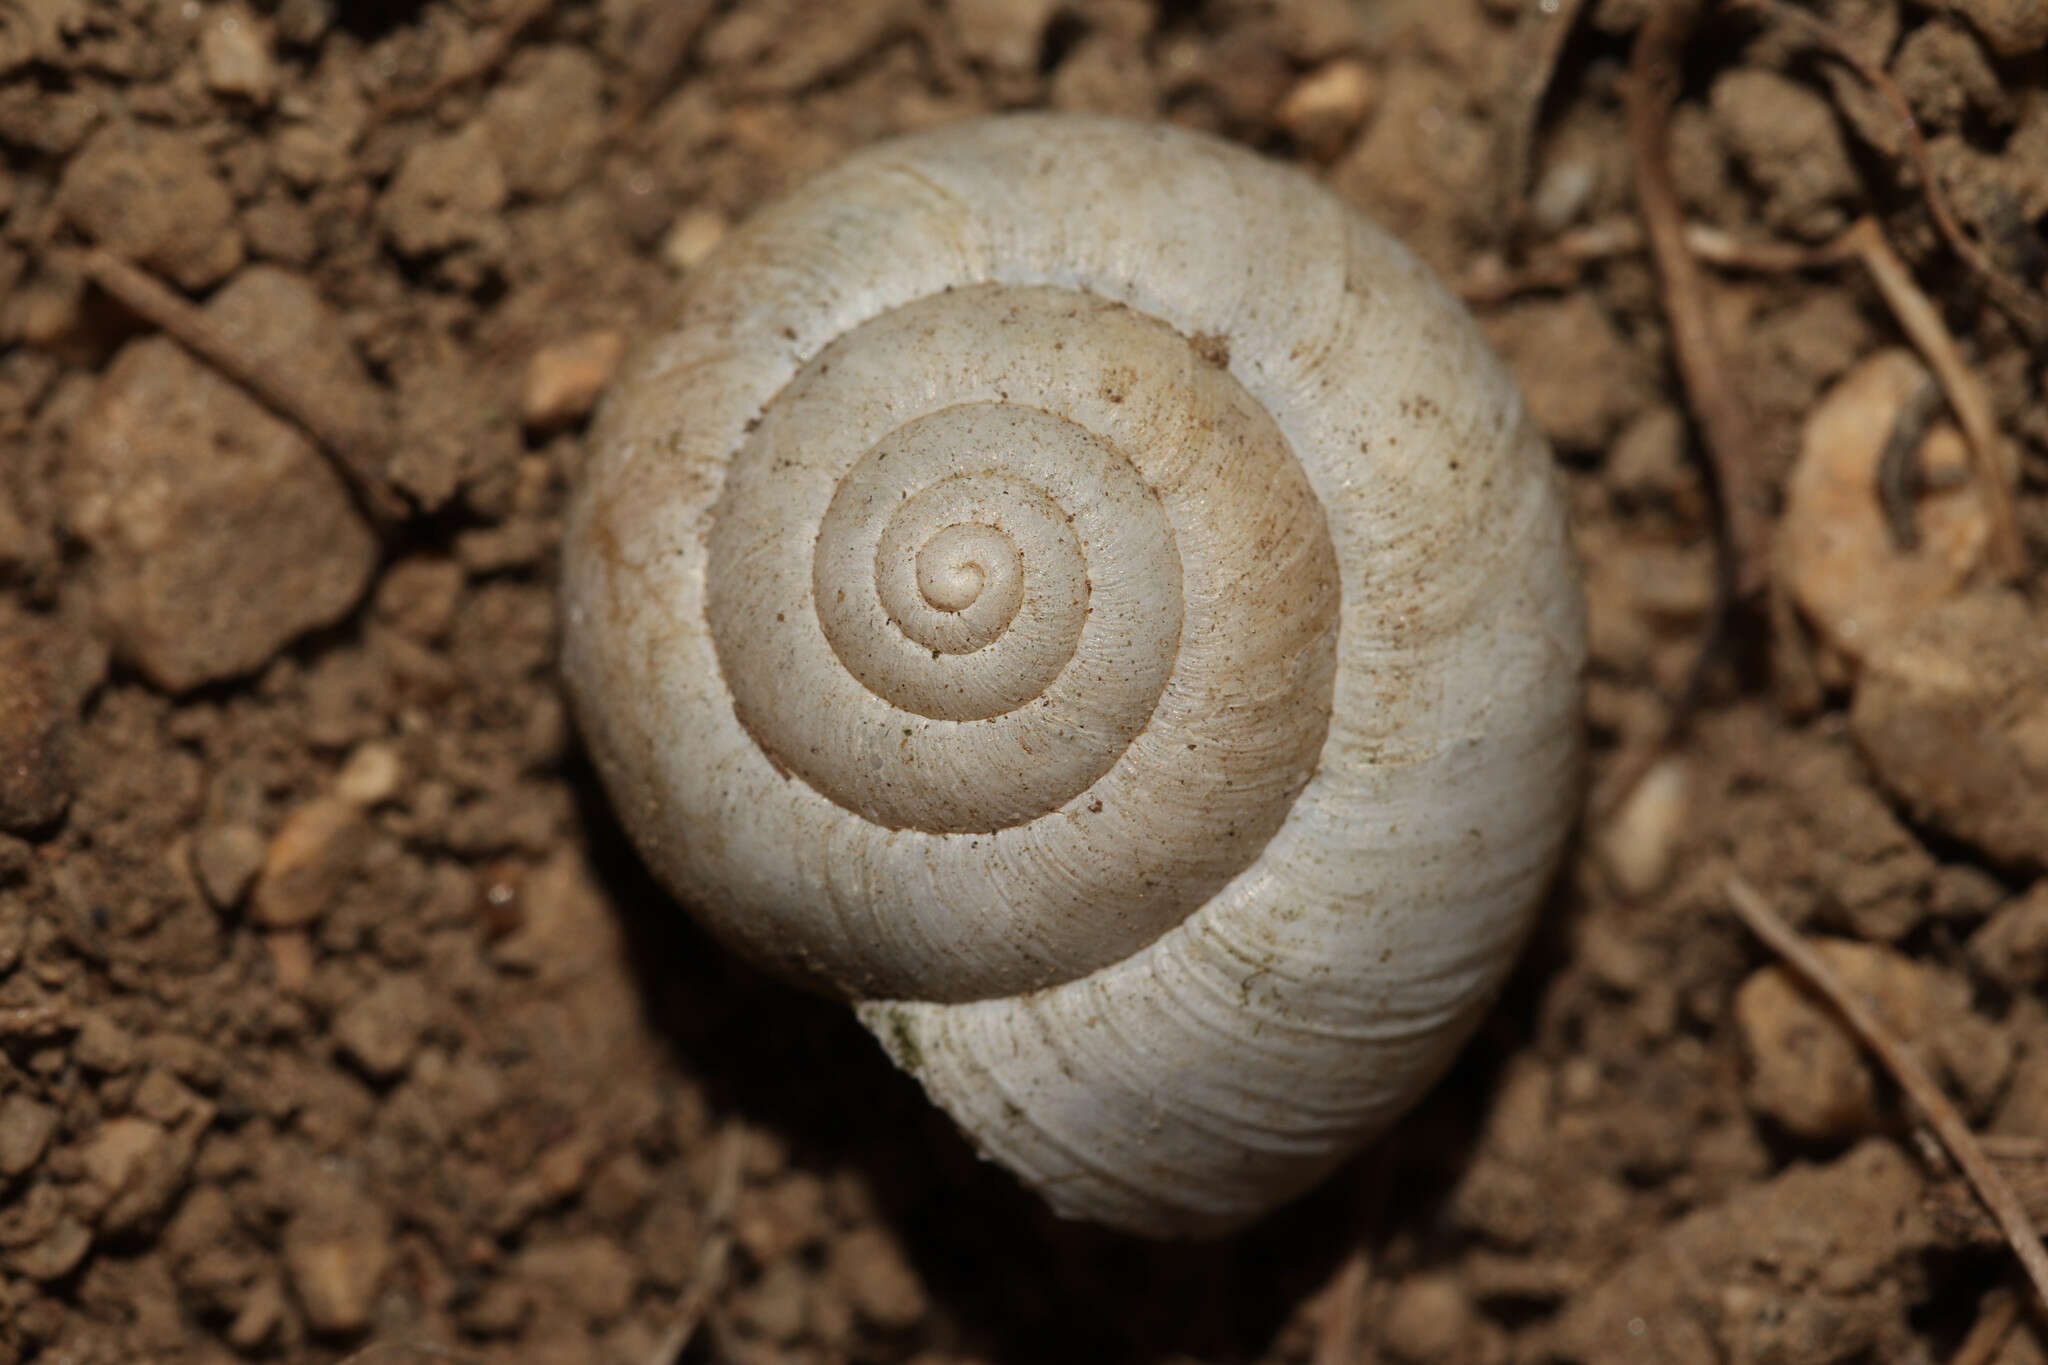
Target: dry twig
x,y
354,452
712,1253
1717,404
2027,309
1934,1106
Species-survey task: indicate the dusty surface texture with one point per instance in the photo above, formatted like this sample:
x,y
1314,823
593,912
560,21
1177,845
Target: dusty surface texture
x,y
337,1021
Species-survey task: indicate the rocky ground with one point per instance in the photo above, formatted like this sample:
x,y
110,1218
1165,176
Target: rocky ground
x,y
338,1023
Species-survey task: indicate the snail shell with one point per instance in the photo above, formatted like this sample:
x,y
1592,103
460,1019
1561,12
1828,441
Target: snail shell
x,y
1078,590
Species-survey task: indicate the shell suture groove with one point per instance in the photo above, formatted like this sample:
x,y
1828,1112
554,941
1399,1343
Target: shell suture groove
x,y
1084,593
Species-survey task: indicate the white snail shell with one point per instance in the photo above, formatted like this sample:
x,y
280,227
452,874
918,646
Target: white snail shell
x,y
1079,590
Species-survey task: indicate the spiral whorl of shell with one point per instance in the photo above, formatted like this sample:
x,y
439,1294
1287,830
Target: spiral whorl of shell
x,y
1082,592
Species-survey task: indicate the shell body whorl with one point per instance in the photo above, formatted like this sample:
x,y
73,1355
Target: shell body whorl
x,y
1085,594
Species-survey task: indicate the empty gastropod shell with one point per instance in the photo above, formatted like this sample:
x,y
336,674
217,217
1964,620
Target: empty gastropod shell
x,y
1083,593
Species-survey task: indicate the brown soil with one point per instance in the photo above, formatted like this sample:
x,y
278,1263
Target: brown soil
x,y
336,1019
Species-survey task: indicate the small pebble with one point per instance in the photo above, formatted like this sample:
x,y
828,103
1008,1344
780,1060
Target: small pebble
x,y
1562,192
1637,846
1326,106
563,381
308,862
692,238
1430,1319
373,774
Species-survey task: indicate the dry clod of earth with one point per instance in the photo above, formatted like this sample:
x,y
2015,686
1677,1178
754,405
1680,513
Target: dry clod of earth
x,y
563,381
1807,1072
2012,946
1954,717
336,1020
218,534
152,195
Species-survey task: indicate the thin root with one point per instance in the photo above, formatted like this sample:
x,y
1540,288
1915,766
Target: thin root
x,y
353,451
2024,306
1934,1106
1717,403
